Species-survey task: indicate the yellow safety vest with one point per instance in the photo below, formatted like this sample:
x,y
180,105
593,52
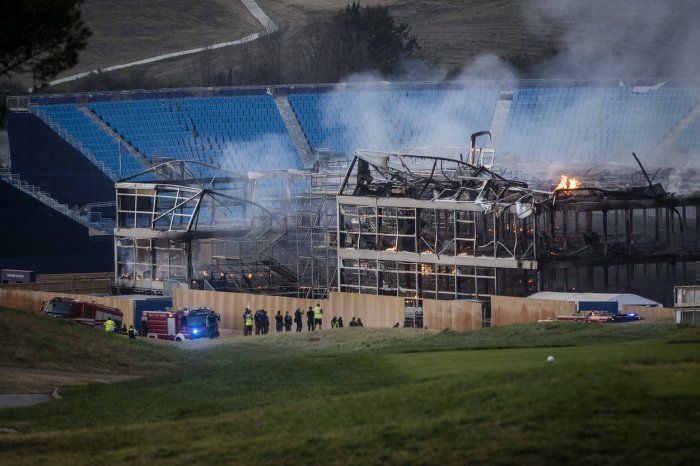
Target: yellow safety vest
x,y
249,321
318,313
109,326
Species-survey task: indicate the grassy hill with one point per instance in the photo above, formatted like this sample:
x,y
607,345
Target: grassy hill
x,y
614,394
451,35
602,38
541,39
130,30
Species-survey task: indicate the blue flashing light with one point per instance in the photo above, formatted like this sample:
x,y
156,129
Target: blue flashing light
x,y
195,331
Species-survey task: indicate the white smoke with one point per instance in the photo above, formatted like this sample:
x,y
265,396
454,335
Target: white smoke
x,y
269,152
488,66
618,46
619,38
374,116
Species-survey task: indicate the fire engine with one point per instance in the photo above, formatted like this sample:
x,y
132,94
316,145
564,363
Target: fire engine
x,y
90,314
180,324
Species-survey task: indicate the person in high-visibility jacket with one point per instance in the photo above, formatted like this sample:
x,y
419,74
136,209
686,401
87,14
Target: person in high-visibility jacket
x,y
318,316
248,322
109,325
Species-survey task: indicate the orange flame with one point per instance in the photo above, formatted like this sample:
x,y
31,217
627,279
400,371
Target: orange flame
x,y
568,183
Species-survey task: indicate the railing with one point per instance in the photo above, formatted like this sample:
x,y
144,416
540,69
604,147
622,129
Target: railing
x,y
46,199
63,133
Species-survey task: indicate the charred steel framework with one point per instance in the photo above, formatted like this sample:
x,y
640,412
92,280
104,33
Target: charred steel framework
x,y
427,227
430,227
400,224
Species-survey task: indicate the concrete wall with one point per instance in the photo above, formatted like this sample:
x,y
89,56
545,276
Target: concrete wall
x,y
506,310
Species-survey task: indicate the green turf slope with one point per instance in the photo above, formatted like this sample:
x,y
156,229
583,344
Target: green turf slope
x,y
627,394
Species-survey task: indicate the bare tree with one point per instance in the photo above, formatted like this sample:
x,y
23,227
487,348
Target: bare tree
x,y
205,58
272,54
316,52
243,71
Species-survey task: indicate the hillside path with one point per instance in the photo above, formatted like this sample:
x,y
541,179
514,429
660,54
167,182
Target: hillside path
x,y
268,25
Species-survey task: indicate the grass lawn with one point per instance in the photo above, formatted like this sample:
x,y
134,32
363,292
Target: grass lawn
x,y
615,394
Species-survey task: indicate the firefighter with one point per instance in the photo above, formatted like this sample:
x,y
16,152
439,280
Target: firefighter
x,y
297,319
131,332
279,321
318,316
287,322
109,325
212,327
247,322
310,319
265,322
256,319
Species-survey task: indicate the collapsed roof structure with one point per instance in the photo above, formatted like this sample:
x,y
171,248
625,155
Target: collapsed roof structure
x,y
422,226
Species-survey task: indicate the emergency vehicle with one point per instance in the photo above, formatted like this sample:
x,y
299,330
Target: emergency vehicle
x,y
82,312
178,325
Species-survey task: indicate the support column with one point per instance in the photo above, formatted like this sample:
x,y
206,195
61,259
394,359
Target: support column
x,y
605,233
564,229
628,231
606,279
657,214
670,232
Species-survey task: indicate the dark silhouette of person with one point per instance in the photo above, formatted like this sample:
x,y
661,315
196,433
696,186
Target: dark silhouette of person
x,y
265,321
287,322
212,324
310,319
298,319
257,320
279,321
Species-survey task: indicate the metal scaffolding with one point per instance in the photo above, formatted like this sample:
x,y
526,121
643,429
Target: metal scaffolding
x,y
316,230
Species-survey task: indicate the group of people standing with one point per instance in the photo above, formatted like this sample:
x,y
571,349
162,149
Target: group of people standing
x,y
314,320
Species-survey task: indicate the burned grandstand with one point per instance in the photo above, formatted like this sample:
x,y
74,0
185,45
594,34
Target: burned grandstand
x,y
255,189
400,224
429,227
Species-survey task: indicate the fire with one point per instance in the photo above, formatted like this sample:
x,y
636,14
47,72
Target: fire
x,y
568,183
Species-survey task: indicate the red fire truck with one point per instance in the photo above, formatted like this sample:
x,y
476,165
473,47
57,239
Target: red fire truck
x,y
181,324
90,314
